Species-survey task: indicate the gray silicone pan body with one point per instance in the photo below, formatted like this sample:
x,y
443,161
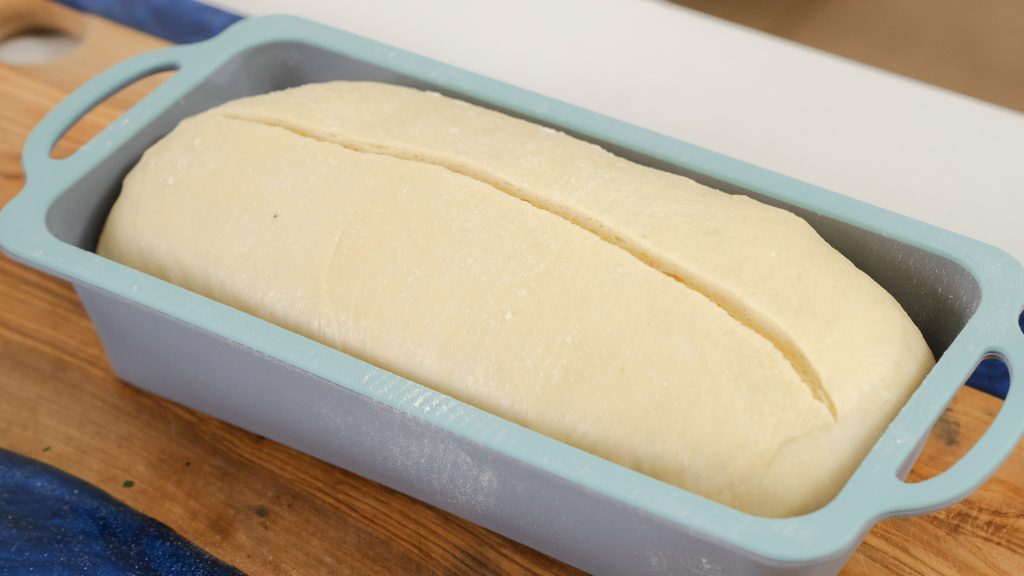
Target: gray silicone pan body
x,y
601,517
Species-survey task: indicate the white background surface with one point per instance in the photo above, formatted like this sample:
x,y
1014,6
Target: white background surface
x,y
916,149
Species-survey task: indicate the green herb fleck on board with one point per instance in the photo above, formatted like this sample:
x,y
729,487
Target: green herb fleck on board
x,y
46,449
128,483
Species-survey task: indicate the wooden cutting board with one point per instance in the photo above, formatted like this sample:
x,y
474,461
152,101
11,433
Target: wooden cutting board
x,y
268,509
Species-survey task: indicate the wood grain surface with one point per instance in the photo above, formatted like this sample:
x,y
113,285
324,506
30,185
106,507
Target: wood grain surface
x,y
268,509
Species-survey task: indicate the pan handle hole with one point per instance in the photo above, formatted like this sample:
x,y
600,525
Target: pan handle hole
x,y
105,113
963,422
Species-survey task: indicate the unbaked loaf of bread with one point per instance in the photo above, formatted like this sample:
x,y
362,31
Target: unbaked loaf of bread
x,y
702,338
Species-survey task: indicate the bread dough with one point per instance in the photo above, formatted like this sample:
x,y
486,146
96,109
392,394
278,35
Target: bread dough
x,y
705,339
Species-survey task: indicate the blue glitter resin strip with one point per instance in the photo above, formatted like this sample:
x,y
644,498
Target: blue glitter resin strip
x,y
54,524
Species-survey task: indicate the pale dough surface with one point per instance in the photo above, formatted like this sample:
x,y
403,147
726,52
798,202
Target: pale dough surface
x,y
705,339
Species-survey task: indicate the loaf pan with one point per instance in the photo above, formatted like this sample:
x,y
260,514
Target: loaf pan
x,y
589,512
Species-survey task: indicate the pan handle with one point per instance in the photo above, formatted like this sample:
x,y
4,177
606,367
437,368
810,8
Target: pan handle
x,y
36,155
898,498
